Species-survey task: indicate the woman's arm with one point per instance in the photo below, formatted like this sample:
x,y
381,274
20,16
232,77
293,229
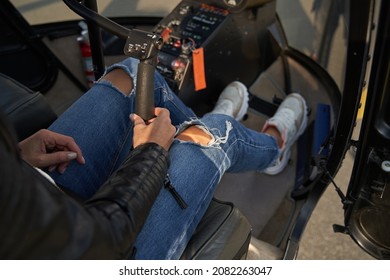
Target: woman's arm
x,y
38,221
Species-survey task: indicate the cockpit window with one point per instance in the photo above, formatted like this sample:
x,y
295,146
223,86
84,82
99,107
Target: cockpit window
x,y
109,8
319,29
321,34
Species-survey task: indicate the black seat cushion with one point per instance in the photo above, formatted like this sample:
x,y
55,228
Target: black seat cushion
x,y
223,233
27,110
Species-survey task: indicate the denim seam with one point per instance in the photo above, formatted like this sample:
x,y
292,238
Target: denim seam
x,y
196,212
178,107
119,150
114,161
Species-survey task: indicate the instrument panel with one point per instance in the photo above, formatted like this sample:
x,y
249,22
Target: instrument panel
x,y
184,30
227,35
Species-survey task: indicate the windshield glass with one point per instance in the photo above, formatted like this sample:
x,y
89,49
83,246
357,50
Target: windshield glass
x,y
41,11
319,29
321,33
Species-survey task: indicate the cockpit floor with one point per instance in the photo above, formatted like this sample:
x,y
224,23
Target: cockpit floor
x,y
260,196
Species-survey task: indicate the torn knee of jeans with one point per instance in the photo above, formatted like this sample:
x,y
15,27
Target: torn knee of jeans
x,y
222,139
122,81
196,134
211,138
111,85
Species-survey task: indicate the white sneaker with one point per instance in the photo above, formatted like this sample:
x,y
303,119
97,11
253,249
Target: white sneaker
x,y
233,101
290,120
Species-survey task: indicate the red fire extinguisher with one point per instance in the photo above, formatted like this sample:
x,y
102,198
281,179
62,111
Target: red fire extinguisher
x,y
86,55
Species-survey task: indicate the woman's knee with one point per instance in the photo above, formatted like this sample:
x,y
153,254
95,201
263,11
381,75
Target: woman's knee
x,y
195,134
120,79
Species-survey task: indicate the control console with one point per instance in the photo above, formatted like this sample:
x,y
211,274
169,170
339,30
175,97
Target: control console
x,y
232,42
184,30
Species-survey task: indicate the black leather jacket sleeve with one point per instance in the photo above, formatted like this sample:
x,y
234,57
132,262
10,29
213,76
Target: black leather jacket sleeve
x,y
38,221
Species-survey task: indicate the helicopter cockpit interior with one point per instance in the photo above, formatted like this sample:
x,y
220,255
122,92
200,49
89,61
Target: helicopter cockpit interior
x,y
202,46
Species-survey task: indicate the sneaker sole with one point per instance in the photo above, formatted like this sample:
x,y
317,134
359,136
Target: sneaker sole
x,y
245,102
273,170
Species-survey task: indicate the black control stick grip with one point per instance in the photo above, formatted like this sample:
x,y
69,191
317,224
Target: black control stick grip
x,y
144,101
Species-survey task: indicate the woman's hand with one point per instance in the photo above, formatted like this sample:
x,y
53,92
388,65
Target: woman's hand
x,y
49,149
159,130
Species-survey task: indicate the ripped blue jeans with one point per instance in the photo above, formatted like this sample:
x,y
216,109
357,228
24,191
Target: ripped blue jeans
x,y
99,123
